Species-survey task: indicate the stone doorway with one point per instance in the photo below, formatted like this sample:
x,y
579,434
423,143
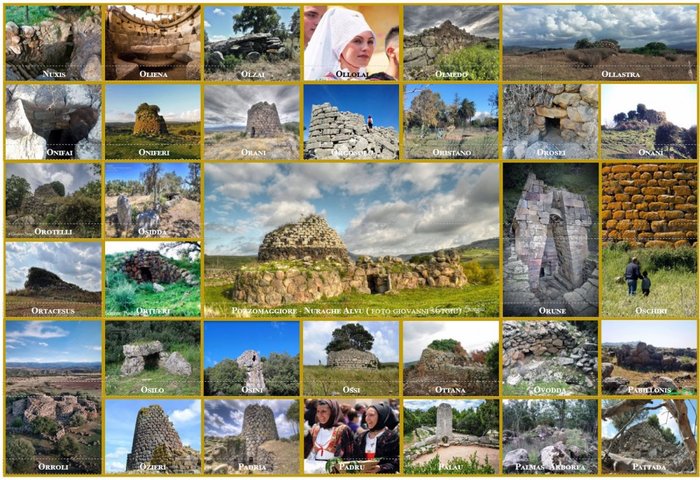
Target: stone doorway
x,y
552,130
252,131
151,361
378,283
146,275
62,128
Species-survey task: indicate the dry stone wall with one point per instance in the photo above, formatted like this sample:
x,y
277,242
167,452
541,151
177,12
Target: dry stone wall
x,y
550,121
644,357
147,266
148,122
352,359
336,135
263,121
258,427
310,238
153,428
650,205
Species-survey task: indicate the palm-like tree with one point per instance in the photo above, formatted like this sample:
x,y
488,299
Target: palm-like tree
x,y
466,111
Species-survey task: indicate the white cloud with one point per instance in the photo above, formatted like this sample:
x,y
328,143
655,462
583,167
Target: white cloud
x,y
218,11
186,415
207,24
38,330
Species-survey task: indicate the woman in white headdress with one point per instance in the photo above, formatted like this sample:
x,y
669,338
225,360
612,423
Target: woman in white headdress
x,y
340,48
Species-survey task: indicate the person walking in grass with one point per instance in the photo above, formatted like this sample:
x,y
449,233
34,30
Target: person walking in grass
x,y
632,275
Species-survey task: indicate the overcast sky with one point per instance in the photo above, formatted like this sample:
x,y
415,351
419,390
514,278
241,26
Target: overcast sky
x,y
481,21
226,105
473,335
559,26
73,176
378,209
460,405
225,417
79,263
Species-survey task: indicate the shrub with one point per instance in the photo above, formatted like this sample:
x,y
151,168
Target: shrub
x,y
44,426
20,456
668,135
684,258
446,345
189,131
583,43
17,422
281,372
123,296
67,447
226,378
77,420
479,62
590,56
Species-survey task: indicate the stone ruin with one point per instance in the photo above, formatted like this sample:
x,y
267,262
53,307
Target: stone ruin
x,y
45,200
443,426
549,264
42,283
59,408
550,121
650,205
643,445
352,359
148,121
647,358
157,443
255,381
53,122
263,121
250,47
251,450
310,238
150,355
164,46
318,265
336,135
67,46
547,351
422,51
152,267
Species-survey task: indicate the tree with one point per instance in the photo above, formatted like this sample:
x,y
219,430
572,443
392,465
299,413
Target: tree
x,y
493,103
59,188
20,456
68,446
583,43
426,106
292,415
467,109
294,26
193,180
620,117
641,110
226,377
257,20
150,179
632,115
281,372
16,190
492,357
170,183
560,407
45,426
351,335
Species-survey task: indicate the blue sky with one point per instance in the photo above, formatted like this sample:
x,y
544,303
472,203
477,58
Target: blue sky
x,y
559,26
477,93
132,171
120,421
665,419
224,340
218,21
460,405
660,333
79,263
225,417
43,342
377,208
380,101
318,334
178,103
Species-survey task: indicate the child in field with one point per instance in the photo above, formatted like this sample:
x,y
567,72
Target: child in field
x,y
646,283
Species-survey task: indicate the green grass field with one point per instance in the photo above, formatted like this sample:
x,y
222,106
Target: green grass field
x,y
182,141
482,143
171,384
672,289
625,144
320,380
127,298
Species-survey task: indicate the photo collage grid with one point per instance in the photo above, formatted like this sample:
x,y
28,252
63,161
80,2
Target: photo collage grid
x,y
409,239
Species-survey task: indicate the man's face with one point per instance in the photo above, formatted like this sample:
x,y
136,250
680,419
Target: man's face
x,y
312,15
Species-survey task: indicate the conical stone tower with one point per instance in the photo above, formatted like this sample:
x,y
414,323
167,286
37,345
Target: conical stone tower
x,y
153,428
258,427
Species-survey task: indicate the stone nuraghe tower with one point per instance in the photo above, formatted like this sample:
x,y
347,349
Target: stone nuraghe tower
x,y
310,237
263,121
148,122
258,427
250,362
153,428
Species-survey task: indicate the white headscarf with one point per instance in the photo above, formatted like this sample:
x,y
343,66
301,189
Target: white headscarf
x,y
335,30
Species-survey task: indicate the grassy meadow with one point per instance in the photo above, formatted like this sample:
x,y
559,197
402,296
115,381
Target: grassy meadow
x,y
481,142
182,141
673,286
321,380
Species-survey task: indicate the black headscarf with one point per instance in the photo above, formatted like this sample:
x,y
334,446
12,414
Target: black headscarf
x,y
336,417
386,417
